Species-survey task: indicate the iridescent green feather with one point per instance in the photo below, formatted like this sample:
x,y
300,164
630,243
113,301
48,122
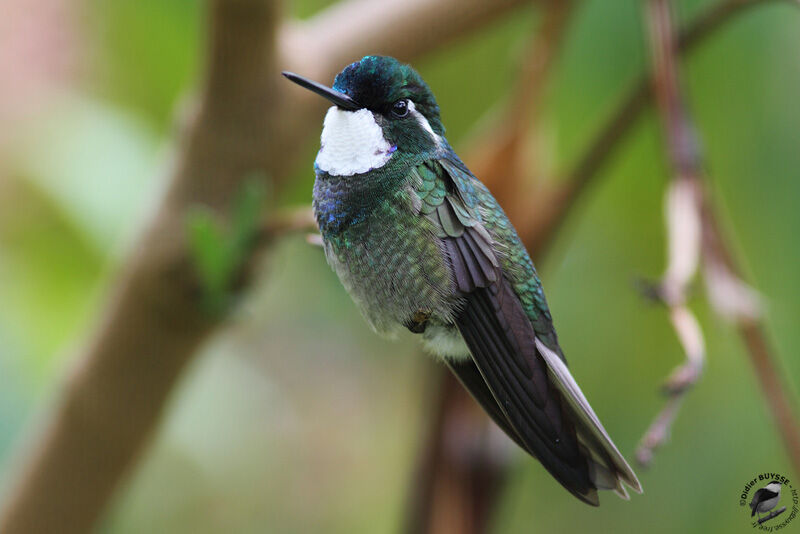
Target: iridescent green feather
x,y
446,188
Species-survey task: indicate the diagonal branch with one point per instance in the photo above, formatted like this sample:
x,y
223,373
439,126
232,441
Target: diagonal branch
x,y
112,398
501,157
693,228
684,198
244,122
540,233
781,405
406,29
605,144
462,463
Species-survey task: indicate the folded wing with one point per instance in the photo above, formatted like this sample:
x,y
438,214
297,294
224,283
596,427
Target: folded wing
x,y
521,382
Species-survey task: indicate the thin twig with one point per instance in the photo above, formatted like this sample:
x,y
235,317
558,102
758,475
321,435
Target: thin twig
x,y
684,199
771,515
288,221
502,156
604,145
658,432
693,228
782,406
599,152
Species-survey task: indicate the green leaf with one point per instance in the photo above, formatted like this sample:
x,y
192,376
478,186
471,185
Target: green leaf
x,y
219,253
206,245
248,207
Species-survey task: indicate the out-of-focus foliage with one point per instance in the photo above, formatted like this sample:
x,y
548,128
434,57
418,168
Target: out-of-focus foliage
x,y
297,418
219,252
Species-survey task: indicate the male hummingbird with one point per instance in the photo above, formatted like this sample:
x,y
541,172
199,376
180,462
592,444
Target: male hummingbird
x,y
420,243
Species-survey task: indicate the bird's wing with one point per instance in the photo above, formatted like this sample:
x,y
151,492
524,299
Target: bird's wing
x,y
531,396
470,377
758,496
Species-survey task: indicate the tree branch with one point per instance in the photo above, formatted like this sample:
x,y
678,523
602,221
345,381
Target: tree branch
x,y
463,458
461,464
501,156
683,201
781,405
693,228
578,180
320,47
114,395
245,121
405,29
539,233
771,515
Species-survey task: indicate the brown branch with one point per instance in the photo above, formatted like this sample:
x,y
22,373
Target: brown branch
x,y
245,119
693,227
288,221
626,115
658,432
114,395
460,468
782,406
540,233
502,156
461,464
406,29
684,198
578,180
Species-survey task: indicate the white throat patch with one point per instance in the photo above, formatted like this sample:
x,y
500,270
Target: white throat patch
x,y
352,143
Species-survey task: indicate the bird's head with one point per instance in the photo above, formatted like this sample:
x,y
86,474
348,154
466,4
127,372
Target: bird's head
x,y
381,106
774,487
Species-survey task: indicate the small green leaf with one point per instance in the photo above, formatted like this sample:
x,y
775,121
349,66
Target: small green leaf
x,y
248,208
218,253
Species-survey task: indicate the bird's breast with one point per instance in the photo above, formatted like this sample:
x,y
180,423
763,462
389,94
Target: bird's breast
x,y
341,204
388,261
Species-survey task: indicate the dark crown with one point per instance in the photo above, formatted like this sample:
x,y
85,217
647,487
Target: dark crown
x,y
377,82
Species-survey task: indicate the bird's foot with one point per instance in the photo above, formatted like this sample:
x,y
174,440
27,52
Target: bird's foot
x,y
418,321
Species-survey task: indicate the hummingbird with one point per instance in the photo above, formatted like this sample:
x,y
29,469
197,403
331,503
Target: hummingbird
x,y
421,244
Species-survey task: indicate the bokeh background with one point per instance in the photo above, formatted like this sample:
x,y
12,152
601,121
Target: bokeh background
x,y
296,417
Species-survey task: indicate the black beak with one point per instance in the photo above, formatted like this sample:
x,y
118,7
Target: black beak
x,y
340,99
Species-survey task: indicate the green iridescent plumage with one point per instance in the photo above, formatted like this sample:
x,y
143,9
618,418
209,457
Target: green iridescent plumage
x,y
420,243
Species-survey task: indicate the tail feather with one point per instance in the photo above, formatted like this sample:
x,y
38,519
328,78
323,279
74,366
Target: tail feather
x,y
605,459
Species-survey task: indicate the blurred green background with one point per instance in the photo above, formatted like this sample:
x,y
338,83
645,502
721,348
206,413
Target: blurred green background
x,y
296,418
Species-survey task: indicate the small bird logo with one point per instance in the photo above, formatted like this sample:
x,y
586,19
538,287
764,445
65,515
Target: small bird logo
x,y
765,499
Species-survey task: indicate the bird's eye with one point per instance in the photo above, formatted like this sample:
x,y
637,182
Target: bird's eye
x,y
400,108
